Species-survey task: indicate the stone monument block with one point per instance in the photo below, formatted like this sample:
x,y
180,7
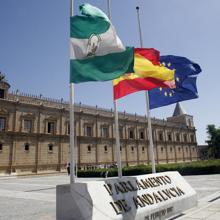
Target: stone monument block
x,y
145,197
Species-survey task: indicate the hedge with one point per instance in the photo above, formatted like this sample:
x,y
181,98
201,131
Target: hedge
x,y
188,168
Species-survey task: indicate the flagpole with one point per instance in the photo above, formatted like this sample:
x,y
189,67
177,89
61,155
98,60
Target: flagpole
x,y
118,153
72,147
76,155
151,147
117,138
109,10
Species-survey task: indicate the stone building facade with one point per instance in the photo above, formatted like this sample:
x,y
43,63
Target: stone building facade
x,y
34,135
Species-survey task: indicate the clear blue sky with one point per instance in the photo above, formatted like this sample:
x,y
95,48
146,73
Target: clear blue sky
x,y
34,49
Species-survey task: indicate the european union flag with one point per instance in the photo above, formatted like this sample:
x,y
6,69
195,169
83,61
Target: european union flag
x,y
186,73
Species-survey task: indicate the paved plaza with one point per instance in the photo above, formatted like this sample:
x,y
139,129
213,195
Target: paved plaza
x,y
34,197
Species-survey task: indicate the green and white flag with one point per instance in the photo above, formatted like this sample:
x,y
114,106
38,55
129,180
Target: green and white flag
x,y
96,52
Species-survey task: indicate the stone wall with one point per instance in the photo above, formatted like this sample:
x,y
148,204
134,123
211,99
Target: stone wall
x,y
36,136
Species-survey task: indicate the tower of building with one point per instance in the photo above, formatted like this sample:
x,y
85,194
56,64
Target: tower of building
x,y
180,116
4,86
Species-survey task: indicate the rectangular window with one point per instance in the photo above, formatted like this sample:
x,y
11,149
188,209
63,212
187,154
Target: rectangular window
x,y
2,93
169,137
189,123
89,131
27,125
2,123
121,132
192,138
131,134
68,128
160,136
50,127
105,132
177,137
141,135
1,147
185,137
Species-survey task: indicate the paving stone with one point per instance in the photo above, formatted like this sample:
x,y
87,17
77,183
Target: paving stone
x,y
202,214
33,197
215,216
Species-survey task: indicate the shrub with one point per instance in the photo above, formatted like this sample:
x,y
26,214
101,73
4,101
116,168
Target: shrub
x,y
189,168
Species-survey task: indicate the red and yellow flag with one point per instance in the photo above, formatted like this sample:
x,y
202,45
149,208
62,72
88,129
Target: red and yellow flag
x,y
149,74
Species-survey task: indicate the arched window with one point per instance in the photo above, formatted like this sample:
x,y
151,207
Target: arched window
x,y
50,148
26,147
106,148
89,148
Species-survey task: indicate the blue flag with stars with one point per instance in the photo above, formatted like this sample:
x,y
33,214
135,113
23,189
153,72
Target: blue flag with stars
x,y
186,73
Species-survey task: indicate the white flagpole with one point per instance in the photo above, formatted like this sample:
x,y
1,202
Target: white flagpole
x,y
117,148
152,158
109,10
117,138
72,147
76,154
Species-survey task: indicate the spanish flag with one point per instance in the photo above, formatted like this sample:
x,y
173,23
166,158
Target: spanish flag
x,y
148,74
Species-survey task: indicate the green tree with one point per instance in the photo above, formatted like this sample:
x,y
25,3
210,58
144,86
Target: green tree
x,y
213,141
